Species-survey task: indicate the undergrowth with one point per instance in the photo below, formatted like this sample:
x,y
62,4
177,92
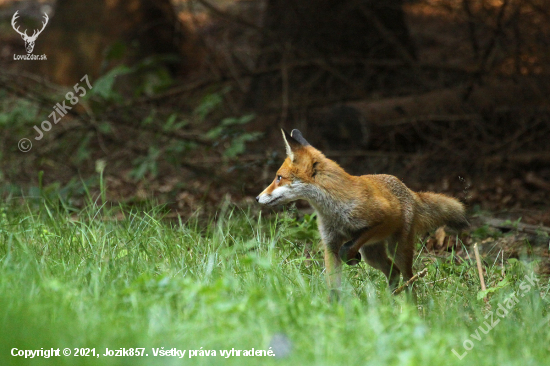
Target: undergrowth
x,y
110,277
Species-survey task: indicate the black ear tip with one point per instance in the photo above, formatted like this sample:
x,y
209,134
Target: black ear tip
x,y
297,135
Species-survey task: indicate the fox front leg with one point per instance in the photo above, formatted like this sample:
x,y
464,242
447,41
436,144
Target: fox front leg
x,y
349,252
346,254
333,268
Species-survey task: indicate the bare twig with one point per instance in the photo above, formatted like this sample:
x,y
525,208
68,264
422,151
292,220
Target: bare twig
x,y
480,269
537,181
471,27
482,67
522,158
409,282
285,86
390,37
404,54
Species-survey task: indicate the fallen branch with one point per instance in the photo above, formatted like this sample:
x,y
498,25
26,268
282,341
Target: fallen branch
x,y
534,179
409,282
522,228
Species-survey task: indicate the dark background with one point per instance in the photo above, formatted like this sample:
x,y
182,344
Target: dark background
x,y
188,98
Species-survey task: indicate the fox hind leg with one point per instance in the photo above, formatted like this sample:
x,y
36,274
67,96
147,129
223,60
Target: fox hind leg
x,y
404,257
377,257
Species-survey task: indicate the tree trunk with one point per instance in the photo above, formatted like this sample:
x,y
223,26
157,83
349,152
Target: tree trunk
x,y
315,50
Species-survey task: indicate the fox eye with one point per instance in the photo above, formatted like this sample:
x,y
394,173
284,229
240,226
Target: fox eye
x,y
279,178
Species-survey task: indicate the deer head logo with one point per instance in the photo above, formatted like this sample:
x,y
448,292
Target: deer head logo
x,y
29,41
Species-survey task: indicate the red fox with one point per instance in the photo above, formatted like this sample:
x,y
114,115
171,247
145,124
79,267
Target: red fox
x,y
359,217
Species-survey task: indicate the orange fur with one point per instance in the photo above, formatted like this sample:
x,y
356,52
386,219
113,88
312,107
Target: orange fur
x,y
369,214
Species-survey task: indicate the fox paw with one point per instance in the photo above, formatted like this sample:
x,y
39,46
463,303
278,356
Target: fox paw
x,y
348,257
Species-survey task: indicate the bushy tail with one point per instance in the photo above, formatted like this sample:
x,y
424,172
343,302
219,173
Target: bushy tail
x,y
434,210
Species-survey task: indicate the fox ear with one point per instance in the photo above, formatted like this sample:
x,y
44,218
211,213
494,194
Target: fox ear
x,y
291,144
297,135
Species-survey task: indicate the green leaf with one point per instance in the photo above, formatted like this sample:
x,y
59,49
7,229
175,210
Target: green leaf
x,y
238,144
237,120
481,294
103,87
215,133
170,122
146,164
208,104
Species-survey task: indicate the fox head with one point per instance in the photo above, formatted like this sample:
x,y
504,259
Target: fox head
x,y
296,177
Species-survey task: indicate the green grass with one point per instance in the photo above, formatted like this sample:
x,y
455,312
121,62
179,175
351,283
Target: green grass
x,y
109,278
